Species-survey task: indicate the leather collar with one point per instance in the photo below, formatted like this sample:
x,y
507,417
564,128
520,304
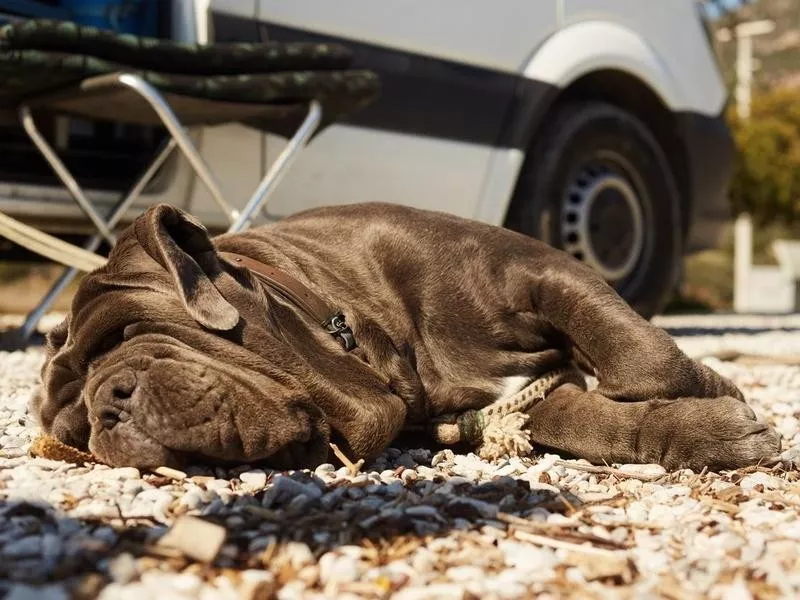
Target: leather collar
x,y
301,296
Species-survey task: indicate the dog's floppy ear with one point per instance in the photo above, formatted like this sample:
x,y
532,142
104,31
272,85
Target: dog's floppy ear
x,y
182,246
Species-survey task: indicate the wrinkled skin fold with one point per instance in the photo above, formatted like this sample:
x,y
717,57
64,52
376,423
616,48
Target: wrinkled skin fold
x,y
172,354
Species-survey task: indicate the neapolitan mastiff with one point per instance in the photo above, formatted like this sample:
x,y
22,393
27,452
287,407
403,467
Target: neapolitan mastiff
x,y
354,323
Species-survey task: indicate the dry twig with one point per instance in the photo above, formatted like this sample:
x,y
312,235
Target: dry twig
x,y
170,473
566,530
752,360
598,470
354,468
553,543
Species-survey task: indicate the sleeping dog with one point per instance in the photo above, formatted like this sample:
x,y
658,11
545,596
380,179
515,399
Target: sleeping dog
x,y
352,324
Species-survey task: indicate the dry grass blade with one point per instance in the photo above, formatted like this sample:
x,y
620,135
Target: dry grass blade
x,y
567,530
751,360
570,508
601,470
541,540
533,525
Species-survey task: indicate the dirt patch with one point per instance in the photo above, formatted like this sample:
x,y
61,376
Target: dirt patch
x,y
23,285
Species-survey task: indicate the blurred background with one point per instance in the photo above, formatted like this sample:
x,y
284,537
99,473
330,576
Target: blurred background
x,y
766,179
752,267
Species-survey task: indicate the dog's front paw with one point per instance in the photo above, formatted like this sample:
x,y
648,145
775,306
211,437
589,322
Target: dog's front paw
x,y
713,433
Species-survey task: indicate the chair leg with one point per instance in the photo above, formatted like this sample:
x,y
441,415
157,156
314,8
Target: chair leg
x,y
179,138
173,125
33,318
279,168
63,173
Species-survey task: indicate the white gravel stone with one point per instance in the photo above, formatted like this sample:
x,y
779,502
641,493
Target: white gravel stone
x,y
765,481
442,515
643,470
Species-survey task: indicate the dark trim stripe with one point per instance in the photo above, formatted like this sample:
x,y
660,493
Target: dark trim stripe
x,y
423,95
443,99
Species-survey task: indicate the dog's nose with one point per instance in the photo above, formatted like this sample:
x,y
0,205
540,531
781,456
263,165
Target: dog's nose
x,y
109,417
118,388
123,391
113,396
122,384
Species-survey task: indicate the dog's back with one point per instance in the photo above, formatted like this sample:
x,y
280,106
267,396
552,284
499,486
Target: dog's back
x,y
440,284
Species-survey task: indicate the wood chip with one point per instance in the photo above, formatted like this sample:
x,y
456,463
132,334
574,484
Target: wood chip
x,y
170,472
361,588
263,589
731,494
46,446
195,538
721,505
594,567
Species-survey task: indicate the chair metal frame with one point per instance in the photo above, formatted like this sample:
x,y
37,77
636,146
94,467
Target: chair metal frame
x,y
178,137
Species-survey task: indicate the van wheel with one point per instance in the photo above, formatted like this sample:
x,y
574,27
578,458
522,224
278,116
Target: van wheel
x,y
596,184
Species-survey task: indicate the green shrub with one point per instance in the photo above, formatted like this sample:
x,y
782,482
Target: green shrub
x,y
766,180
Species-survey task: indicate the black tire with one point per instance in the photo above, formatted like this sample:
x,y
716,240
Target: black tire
x,y
585,171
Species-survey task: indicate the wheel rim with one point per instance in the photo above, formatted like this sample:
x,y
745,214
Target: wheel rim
x,y
602,221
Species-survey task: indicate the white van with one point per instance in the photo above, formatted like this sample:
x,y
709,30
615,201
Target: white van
x,y
595,125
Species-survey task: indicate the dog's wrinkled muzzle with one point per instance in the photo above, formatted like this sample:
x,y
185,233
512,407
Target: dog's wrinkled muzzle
x,y
121,399
160,402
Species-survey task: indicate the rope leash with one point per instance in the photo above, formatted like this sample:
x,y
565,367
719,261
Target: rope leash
x,y
498,430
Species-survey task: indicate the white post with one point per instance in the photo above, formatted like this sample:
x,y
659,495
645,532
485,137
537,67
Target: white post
x,y
743,229
742,262
744,75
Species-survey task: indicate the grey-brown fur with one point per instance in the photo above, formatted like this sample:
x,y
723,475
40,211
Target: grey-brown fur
x,y
172,354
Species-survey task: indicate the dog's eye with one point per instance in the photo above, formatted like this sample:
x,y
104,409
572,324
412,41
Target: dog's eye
x,y
109,418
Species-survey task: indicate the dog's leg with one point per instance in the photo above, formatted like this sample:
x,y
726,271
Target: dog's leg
x,y
718,433
633,359
684,414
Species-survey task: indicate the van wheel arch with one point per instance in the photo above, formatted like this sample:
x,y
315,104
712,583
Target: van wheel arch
x,y
560,206
634,96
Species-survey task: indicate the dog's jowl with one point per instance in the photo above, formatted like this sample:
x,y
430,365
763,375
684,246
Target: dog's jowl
x,y
352,324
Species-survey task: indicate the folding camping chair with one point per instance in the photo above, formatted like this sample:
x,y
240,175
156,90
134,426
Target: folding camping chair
x,y
60,68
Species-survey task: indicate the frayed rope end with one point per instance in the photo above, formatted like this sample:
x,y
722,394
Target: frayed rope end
x,y
506,437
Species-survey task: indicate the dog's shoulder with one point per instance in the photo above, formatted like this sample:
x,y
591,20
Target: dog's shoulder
x,y
364,215
374,211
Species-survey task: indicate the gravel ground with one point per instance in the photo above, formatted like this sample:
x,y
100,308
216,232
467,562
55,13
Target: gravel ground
x,y
415,524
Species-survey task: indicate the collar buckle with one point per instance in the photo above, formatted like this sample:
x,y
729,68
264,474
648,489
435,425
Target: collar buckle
x,y
340,330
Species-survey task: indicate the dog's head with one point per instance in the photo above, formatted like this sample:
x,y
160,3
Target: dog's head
x,y
171,353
